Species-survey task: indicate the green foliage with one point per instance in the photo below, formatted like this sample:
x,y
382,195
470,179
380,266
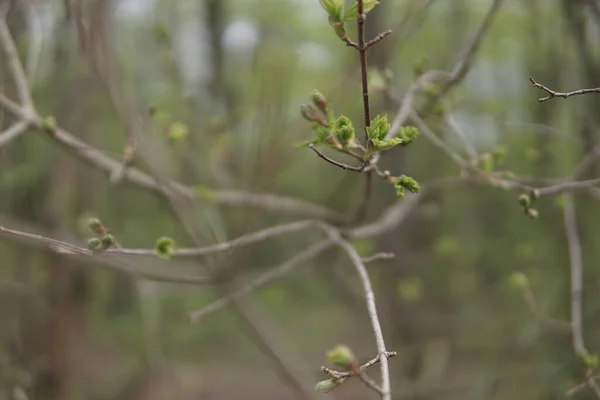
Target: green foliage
x,y
352,13
379,128
408,183
335,10
344,130
164,247
379,145
341,356
408,134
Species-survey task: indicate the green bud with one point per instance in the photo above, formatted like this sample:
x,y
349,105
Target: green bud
x,y
341,356
379,128
93,243
107,241
319,101
164,247
525,200
96,226
408,183
352,13
344,130
311,113
178,132
408,134
589,360
518,280
328,385
487,162
49,125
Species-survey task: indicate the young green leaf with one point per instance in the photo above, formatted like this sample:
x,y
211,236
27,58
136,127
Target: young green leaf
x,y
344,130
408,134
380,145
352,13
334,8
379,128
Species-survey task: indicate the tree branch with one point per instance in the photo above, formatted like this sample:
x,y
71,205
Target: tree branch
x,y
552,94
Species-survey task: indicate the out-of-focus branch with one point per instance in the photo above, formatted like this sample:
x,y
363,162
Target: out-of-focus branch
x,y
99,159
241,241
13,132
264,278
574,243
16,69
552,94
372,309
145,271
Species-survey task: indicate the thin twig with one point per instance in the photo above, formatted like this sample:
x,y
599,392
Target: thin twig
x,y
145,271
552,94
268,276
16,68
372,308
336,163
362,51
241,241
99,159
13,132
576,261
378,256
378,38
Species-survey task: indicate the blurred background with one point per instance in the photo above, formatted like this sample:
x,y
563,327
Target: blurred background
x,y
221,82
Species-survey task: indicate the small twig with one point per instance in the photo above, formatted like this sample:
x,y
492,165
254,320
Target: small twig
x,y
13,132
241,241
343,376
378,256
337,163
372,308
576,261
262,279
552,94
362,51
378,38
16,68
67,249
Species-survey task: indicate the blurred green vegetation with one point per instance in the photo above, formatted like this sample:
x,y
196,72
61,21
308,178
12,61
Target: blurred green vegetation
x,y
225,80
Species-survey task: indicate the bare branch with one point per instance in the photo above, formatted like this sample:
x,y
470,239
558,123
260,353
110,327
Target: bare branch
x,y
372,308
552,94
13,132
378,38
150,271
99,159
378,256
232,244
337,163
16,68
263,279
575,254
